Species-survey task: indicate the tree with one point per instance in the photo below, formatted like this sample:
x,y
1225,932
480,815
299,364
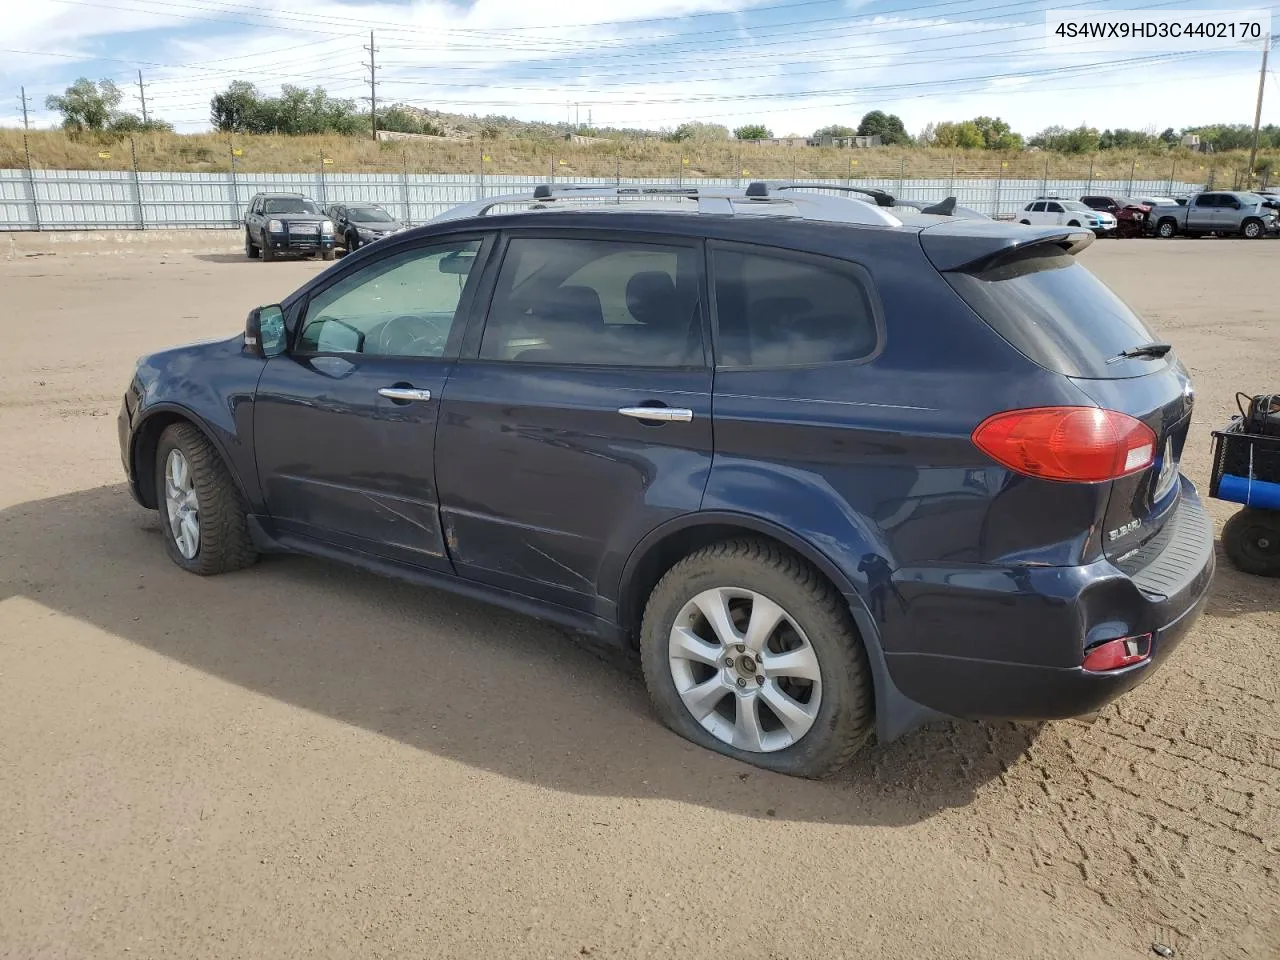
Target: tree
x,y
86,105
1061,140
753,131
402,120
1170,138
887,126
835,130
1122,139
236,109
965,135
698,131
997,135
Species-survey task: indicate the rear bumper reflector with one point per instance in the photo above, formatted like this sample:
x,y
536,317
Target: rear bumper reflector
x,y
1117,654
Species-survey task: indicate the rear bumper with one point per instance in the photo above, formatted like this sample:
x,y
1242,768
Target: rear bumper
x,y
999,642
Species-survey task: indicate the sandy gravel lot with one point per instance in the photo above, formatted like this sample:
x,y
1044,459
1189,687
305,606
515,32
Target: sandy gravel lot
x,y
301,760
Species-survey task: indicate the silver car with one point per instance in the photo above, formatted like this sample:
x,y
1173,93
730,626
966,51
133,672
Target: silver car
x,y
1226,213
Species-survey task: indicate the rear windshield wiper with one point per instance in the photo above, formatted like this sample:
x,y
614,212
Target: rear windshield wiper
x,y
1151,350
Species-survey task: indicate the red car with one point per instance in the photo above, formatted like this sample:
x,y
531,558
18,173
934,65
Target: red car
x,y
1131,215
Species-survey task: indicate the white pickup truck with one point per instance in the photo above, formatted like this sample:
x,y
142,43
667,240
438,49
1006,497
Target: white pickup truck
x,y
1226,213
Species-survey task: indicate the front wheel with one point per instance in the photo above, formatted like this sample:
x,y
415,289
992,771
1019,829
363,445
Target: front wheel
x,y
250,249
750,652
1074,223
1025,223
1167,229
1251,539
1252,229
327,253
201,510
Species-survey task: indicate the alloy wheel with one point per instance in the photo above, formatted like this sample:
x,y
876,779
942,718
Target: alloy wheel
x,y
182,504
745,669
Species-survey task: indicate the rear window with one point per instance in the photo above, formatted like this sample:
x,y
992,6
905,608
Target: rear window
x,y
1058,314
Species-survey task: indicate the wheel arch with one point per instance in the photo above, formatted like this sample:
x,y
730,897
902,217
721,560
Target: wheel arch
x,y
667,544
146,438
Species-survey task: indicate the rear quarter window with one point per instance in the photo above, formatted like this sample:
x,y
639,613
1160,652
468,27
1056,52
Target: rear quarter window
x,y
1057,313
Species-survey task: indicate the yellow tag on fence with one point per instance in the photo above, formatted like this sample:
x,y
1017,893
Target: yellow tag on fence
x,y
237,152
488,159
103,155
685,161
327,161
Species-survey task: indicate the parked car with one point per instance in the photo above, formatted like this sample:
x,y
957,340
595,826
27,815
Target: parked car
x,y
1226,213
1159,201
277,223
1071,213
1130,214
832,472
360,223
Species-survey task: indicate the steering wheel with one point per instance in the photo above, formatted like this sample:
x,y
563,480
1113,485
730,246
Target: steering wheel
x,y
319,324
411,336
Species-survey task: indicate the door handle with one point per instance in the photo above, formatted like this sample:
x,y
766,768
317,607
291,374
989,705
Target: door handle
x,y
663,414
404,394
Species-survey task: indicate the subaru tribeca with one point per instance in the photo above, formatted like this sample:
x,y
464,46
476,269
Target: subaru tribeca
x,y
834,468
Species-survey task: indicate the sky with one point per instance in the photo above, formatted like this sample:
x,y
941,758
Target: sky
x,y
793,65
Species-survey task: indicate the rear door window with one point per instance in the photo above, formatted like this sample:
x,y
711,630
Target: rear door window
x,y
777,309
598,302
1058,314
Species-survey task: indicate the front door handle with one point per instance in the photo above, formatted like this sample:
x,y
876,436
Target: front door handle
x,y
663,414
404,394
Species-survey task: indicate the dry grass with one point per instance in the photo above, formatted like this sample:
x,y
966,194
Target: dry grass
x,y
55,150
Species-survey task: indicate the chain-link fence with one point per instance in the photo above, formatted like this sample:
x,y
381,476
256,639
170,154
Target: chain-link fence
x,y
117,185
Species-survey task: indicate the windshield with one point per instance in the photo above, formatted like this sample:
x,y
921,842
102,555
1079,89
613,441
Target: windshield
x,y
371,215
1058,314
290,205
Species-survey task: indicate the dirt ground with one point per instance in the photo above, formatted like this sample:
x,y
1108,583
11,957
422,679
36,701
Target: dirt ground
x,y
301,760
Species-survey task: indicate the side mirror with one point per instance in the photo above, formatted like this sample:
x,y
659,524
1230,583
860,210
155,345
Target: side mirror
x,y
264,333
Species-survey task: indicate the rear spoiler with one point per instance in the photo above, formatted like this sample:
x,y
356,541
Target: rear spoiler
x,y
971,246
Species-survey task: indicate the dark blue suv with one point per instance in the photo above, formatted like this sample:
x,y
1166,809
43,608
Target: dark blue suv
x,y
835,466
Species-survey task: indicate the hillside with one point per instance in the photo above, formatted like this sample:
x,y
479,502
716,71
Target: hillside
x,y
56,150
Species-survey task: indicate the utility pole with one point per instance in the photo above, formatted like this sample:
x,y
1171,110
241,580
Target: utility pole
x,y
142,95
373,87
25,124
1257,112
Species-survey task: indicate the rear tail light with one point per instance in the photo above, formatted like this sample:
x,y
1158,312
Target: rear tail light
x,y
1075,444
1115,654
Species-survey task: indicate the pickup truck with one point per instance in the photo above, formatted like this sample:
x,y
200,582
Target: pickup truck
x,y
1226,213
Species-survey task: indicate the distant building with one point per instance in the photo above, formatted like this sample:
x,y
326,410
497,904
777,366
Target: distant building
x,y
782,141
579,138
847,143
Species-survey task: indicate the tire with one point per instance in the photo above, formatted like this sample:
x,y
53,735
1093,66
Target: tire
x,y
1074,223
839,724
1167,228
267,253
353,242
223,542
1252,229
327,254
250,251
1251,539
1025,223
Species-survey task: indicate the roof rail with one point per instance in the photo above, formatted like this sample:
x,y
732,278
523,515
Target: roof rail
x,y
710,200
882,198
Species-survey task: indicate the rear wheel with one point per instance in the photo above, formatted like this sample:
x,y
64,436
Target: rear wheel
x,y
201,510
1167,228
749,651
1252,228
250,249
1251,539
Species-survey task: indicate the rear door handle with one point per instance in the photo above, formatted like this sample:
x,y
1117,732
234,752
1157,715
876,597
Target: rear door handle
x,y
404,394
664,414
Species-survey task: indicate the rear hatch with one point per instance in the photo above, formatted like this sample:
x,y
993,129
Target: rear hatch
x,y
1046,304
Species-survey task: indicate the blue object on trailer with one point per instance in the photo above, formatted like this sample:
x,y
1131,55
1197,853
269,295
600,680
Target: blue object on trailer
x,y
1252,493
